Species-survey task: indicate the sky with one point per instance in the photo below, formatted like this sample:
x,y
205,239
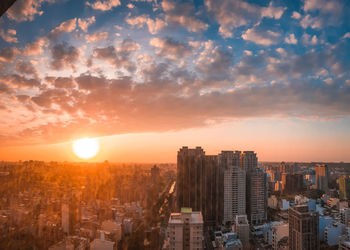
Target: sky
x,y
148,76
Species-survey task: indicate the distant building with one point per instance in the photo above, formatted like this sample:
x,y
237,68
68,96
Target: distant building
x,y
345,216
234,193
279,232
303,228
101,244
256,196
241,227
322,177
185,230
272,201
332,234
155,173
65,217
249,161
324,221
113,228
344,240
344,187
292,183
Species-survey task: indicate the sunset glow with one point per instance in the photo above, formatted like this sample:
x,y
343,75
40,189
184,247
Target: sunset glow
x,y
86,148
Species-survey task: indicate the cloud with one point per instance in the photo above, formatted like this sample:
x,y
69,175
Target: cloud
x,y
104,5
231,14
296,15
85,23
291,39
325,6
182,14
95,37
116,106
61,82
25,10
15,80
170,48
67,26
8,54
313,22
214,63
347,35
23,67
154,26
309,40
35,48
118,57
261,37
9,36
272,12
64,56
130,6
328,13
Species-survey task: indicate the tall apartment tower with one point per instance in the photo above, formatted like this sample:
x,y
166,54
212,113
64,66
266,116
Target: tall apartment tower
x,y
256,196
303,228
256,188
249,160
198,183
185,230
344,187
234,193
322,177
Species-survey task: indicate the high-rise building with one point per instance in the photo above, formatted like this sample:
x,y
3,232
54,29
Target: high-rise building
x,y
214,185
322,177
303,228
234,193
292,183
198,183
226,160
344,187
185,230
249,161
256,196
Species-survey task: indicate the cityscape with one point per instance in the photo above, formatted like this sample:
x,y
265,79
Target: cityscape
x,y
224,201
174,125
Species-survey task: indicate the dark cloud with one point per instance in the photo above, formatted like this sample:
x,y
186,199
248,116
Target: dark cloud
x,y
170,48
25,68
15,80
64,56
119,57
8,54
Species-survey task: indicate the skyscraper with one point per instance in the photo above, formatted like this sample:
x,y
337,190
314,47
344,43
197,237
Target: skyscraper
x,y
190,164
249,161
198,183
185,230
256,196
221,186
322,177
234,193
344,187
303,228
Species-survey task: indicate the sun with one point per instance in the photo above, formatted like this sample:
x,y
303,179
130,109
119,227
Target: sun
x,y
86,148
